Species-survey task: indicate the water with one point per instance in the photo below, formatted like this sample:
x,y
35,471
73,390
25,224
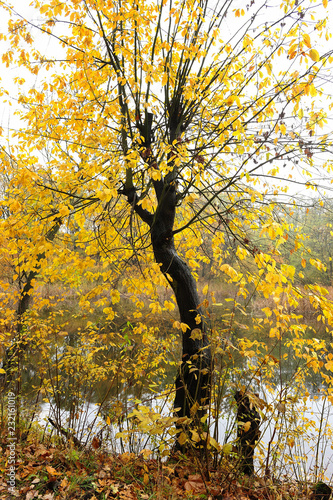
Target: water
x,y
309,435
288,429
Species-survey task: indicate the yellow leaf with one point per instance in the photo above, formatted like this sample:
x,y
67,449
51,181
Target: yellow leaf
x,y
267,311
287,271
314,54
44,8
194,409
293,51
145,479
291,442
283,129
325,3
307,40
182,438
155,307
63,333
184,327
115,296
109,312
195,436
170,306
313,90
155,174
329,365
214,443
227,449
241,253
146,453
196,333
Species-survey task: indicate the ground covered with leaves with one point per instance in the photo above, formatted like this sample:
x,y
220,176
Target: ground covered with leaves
x,y
52,473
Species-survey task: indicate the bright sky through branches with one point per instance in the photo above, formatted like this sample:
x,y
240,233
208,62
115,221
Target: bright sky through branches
x,y
233,26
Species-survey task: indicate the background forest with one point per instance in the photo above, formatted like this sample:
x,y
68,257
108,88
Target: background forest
x,y
166,237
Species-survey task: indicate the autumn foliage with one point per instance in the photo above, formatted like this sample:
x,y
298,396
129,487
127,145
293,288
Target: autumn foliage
x,y
148,219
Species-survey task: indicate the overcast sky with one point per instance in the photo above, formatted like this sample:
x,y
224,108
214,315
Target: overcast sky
x,y
47,46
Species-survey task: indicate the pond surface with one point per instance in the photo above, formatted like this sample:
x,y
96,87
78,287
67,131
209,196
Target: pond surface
x,y
310,437
289,429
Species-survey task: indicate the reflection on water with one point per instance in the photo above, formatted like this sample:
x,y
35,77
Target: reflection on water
x,y
302,431
308,433
308,436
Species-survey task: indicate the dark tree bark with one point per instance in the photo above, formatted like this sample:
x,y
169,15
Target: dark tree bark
x,y
193,381
247,438
25,294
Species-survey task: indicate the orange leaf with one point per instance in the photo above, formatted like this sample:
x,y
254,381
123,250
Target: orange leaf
x,y
96,443
195,484
52,471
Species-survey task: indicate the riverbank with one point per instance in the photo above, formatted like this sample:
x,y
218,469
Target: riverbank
x,y
63,472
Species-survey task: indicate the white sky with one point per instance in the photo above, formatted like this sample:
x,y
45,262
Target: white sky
x,y
47,46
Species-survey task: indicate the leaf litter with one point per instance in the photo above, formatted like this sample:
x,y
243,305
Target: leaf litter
x,y
50,473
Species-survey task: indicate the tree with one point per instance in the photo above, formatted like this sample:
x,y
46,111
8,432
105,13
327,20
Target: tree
x,y
153,125
315,225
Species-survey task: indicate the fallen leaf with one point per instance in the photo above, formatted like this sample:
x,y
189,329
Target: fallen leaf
x,y
127,457
114,489
195,484
167,470
127,495
64,483
146,453
41,451
31,494
52,471
96,443
102,474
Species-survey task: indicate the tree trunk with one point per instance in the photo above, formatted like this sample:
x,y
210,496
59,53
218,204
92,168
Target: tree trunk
x,y
193,380
248,433
19,343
